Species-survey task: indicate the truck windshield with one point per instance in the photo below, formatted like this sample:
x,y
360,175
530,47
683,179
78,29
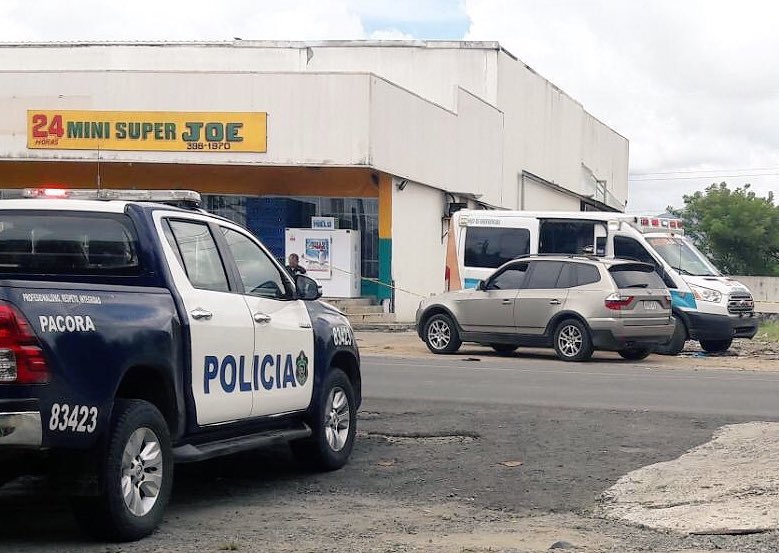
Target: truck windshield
x,y
682,255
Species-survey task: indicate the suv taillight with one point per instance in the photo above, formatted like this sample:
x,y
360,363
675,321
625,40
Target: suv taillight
x,y
21,357
617,301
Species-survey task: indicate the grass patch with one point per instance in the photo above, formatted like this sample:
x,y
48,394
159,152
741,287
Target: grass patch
x,y
768,332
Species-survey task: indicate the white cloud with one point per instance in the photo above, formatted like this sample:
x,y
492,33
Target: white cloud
x,y
692,84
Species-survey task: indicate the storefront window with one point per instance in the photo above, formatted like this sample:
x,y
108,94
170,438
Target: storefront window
x,y
268,216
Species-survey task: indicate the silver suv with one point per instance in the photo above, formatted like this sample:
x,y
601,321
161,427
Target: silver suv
x,y
574,304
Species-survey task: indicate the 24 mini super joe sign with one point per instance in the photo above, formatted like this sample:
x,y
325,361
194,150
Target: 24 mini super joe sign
x,y
147,131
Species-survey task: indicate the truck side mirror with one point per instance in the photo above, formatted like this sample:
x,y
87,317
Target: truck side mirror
x,y
307,288
482,285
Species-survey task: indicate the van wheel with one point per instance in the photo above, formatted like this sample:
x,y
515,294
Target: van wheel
x,y
716,346
572,341
334,426
675,345
135,476
504,349
635,354
441,334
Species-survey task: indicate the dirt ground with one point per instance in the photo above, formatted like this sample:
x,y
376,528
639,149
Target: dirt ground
x,y
749,355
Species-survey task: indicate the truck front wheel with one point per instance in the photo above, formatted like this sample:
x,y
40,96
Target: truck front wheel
x,y
716,346
334,425
136,476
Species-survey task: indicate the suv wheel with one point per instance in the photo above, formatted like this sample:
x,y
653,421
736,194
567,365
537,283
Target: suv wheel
x,y
441,334
716,346
572,341
334,425
136,476
635,354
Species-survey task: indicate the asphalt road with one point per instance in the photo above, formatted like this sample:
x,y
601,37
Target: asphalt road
x,y
446,447
603,384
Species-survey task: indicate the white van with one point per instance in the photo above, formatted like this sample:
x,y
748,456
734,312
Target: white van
x,y
708,306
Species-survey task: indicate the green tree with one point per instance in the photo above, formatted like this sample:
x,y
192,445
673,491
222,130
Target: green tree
x,y
737,229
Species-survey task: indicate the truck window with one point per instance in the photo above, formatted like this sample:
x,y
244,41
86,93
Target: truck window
x,y
73,244
544,275
259,275
202,262
491,247
628,275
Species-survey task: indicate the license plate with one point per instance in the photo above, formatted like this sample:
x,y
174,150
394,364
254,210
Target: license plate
x,y
651,306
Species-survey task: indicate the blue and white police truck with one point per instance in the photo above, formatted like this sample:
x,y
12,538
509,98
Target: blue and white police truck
x,y
135,335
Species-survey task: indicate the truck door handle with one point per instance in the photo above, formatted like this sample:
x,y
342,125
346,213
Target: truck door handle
x,y
201,313
554,302
261,318
507,302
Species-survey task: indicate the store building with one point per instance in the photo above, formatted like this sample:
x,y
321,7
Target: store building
x,y
386,137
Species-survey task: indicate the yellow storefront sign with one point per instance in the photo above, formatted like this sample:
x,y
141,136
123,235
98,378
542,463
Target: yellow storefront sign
x,y
147,131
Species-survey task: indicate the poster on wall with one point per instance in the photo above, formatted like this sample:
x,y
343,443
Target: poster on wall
x,y
317,257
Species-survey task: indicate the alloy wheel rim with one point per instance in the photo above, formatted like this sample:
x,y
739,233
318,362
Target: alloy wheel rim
x,y
570,340
142,471
338,419
439,334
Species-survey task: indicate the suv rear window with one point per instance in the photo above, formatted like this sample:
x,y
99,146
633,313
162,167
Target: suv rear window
x,y
67,244
491,247
631,275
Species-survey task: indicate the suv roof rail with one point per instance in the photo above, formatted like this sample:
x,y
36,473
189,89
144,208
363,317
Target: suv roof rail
x,y
591,257
188,199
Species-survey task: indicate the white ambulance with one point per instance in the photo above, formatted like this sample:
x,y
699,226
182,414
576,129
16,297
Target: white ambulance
x,y
709,307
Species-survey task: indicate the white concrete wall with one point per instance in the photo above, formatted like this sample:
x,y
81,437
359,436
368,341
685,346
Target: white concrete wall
x,y
549,134
454,151
544,131
418,251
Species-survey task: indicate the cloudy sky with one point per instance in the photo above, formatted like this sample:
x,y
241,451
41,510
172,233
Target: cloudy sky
x,y
693,84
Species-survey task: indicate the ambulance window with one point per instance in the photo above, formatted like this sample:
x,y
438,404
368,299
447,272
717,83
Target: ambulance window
x,y
200,256
491,247
572,237
628,248
259,275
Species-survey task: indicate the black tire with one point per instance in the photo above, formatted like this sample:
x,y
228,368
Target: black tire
x,y
329,448
675,345
635,354
441,335
716,346
504,349
108,516
572,341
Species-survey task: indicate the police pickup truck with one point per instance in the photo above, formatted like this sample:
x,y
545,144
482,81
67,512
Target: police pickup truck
x,y
135,335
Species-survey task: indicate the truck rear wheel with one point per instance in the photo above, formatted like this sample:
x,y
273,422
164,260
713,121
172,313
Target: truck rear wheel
x,y
135,475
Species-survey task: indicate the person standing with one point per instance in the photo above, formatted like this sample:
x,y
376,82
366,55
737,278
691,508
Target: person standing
x,y
293,265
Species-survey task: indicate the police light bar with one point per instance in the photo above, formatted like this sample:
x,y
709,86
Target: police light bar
x,y
161,196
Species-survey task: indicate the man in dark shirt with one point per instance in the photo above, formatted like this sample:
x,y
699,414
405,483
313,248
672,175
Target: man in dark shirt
x,y
293,265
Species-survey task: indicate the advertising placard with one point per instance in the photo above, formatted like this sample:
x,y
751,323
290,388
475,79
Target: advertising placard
x,y
147,131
